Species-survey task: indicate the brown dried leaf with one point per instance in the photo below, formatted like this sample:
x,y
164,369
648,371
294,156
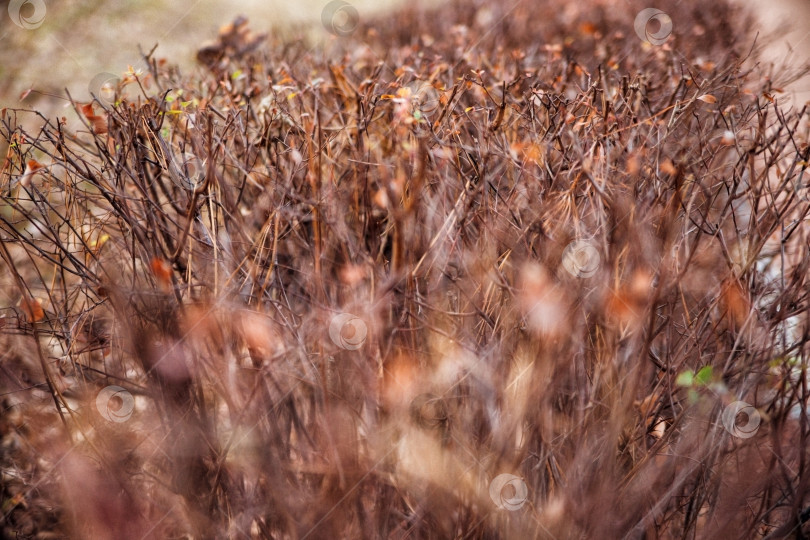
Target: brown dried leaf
x,y
32,309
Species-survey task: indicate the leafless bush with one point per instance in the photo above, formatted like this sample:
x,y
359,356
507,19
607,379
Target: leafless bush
x,y
462,274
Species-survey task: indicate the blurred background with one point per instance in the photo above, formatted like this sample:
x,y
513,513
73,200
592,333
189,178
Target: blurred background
x,y
71,41
77,39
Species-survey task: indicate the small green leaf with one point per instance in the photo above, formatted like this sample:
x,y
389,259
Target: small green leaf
x,y
236,74
685,378
704,376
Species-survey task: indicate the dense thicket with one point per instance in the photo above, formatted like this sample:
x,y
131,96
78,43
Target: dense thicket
x,y
338,289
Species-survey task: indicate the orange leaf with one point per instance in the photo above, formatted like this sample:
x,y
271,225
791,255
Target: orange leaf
x,y
32,309
627,304
633,164
31,168
734,303
707,98
97,123
34,165
667,167
401,381
162,271
588,28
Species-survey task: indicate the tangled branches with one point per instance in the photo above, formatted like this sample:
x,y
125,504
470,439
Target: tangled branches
x,y
495,278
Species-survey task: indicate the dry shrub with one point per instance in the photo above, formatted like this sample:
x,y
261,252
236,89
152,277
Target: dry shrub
x,y
337,291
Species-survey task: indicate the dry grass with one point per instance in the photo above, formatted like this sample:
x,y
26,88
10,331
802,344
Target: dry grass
x,y
568,254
